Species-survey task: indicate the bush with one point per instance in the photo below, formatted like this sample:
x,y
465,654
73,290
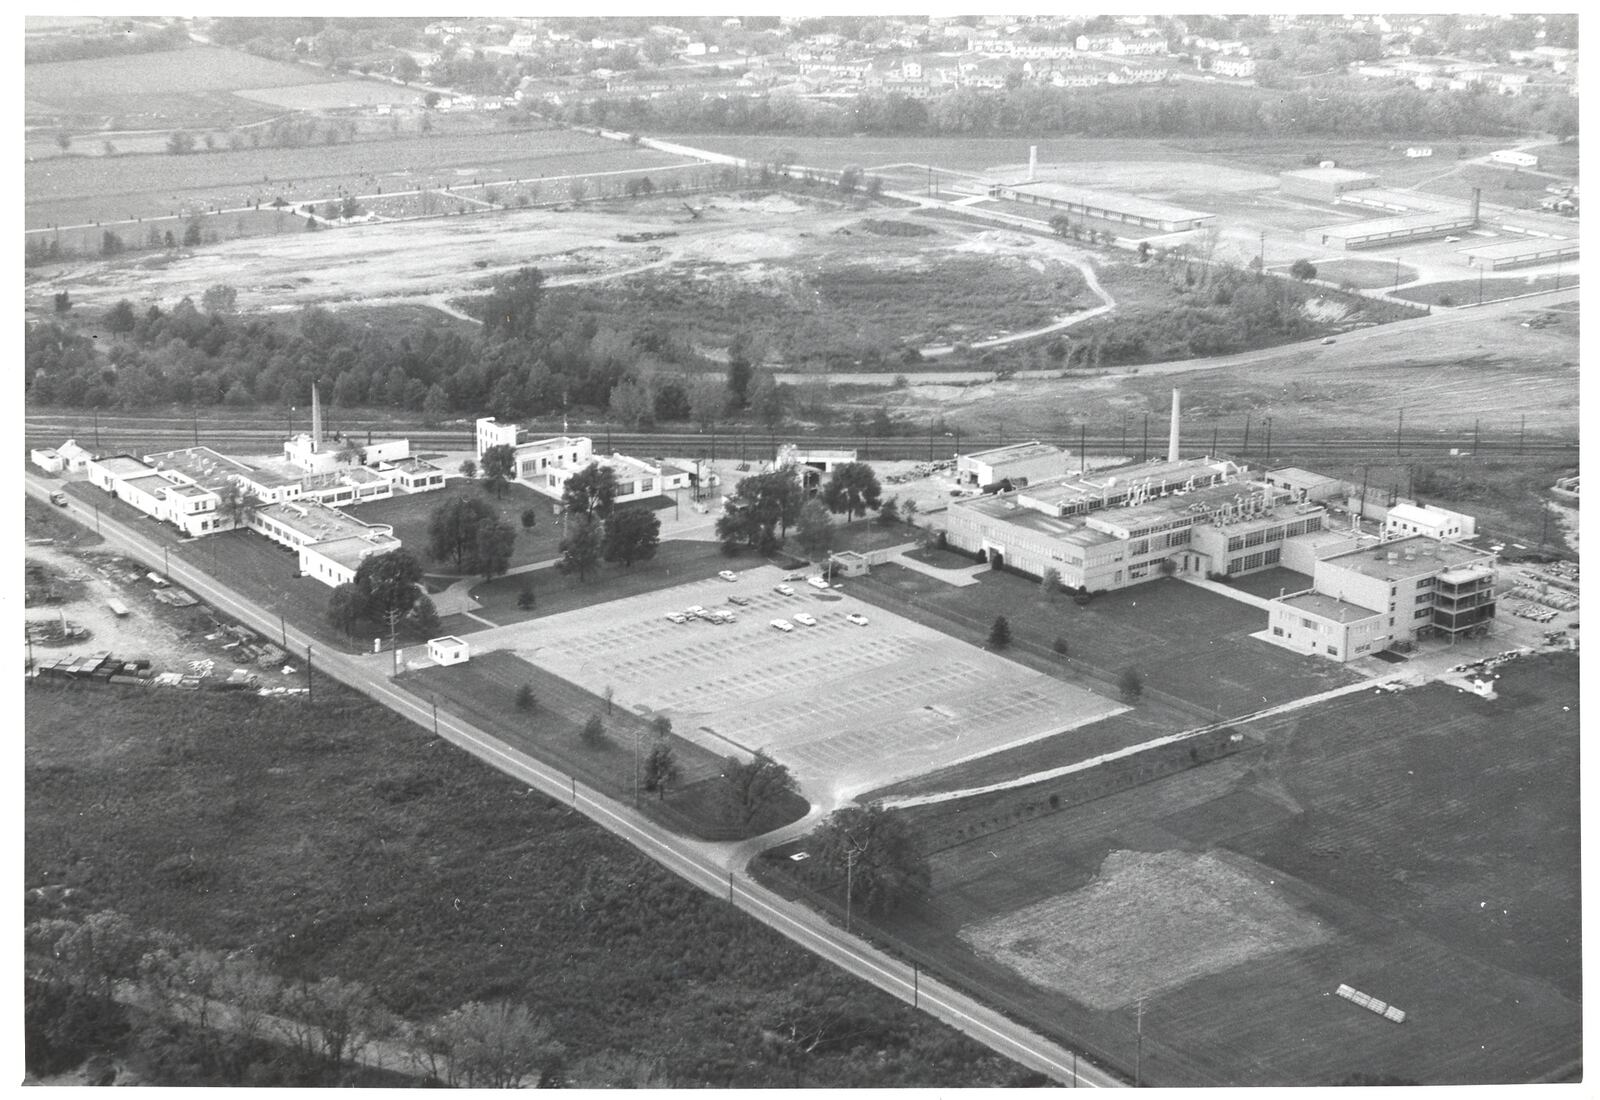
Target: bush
x,y
526,699
525,598
1060,646
594,731
1000,633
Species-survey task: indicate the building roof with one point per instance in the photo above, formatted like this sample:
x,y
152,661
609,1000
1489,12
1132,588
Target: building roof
x,y
274,473
1003,506
1429,555
1110,200
350,551
201,465
150,483
1327,175
1296,477
1073,487
319,523
1328,607
1016,452
1536,246
123,465
1394,225
448,639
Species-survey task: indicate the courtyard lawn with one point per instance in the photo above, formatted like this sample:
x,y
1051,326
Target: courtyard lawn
x,y
408,515
1188,644
1270,583
676,562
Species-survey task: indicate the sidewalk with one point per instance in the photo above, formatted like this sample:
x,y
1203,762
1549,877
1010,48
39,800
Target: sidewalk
x,y
1229,591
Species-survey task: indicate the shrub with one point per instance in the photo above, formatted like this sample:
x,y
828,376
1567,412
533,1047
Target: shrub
x,y
526,699
594,731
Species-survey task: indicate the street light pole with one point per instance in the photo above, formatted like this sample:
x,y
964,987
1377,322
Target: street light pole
x,y
309,690
1138,1059
1269,441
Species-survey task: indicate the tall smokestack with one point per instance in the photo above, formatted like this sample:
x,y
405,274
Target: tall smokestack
x,y
1033,162
1172,433
316,419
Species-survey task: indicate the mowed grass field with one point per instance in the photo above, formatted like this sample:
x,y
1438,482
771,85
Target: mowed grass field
x,y
968,154
75,190
175,88
409,516
1420,847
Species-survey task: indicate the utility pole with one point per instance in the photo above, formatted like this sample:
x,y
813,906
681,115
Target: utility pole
x,y
1122,441
1401,427
1138,1058
1144,448
1262,255
308,673
1245,448
1474,437
1480,286
1522,436
1213,442
1269,441
196,423
283,628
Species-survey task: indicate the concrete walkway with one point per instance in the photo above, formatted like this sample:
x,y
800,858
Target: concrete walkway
x,y
960,578
1096,761
1229,591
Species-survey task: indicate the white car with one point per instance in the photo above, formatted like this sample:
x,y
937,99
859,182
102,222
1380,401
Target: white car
x,y
784,590
677,617
721,616
817,582
783,624
693,612
858,619
728,575
805,619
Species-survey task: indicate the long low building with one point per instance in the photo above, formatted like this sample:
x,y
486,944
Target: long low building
x,y
1107,206
331,544
1324,184
1522,253
1375,232
545,465
1019,463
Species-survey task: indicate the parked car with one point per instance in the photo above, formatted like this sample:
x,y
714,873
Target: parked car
x,y
693,612
677,617
742,601
784,590
817,582
721,616
728,575
783,624
805,619
1327,340
858,619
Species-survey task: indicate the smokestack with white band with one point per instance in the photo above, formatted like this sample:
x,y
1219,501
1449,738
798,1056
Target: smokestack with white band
x,y
1172,434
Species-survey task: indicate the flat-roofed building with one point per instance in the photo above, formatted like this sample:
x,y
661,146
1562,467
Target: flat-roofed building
x,y
1324,184
1018,463
1409,518
412,475
48,459
1107,206
1304,485
110,472
1521,253
545,465
76,458
1380,231
331,544
1309,622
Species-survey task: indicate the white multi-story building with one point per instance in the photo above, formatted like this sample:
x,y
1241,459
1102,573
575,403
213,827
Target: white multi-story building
x,y
331,544
544,465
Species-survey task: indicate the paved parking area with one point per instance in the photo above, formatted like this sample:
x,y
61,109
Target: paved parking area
x,y
846,707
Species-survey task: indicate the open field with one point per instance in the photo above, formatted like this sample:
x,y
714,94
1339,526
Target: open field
x,y
1421,847
333,841
332,95
1366,274
1463,292
1186,642
75,190
901,698
140,90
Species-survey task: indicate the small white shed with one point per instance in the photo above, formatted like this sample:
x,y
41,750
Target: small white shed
x,y
448,650
49,460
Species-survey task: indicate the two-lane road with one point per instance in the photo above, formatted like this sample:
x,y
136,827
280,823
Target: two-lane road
x,y
712,867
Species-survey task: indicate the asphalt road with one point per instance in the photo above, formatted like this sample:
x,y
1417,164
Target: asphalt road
x,y
714,868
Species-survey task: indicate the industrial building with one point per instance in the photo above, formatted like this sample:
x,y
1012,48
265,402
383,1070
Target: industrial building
x,y
1323,184
544,465
1104,206
1375,232
331,544
811,463
166,495
1521,253
1515,158
1018,463
1387,594
1405,519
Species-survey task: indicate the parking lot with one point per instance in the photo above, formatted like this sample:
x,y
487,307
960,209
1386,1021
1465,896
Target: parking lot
x,y
846,707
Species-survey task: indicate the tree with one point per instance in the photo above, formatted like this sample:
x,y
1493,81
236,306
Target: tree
x,y
591,491
453,528
494,543
660,769
404,68
435,406
430,100
815,529
630,403
739,372
192,233
766,398
1050,583
332,1018
1303,269
525,699
1130,683
999,633
424,617
889,512
469,468
594,731
391,581
525,600
708,397
236,504
63,301
850,178
632,534
581,550
499,1045
872,853
512,309
180,142
110,244
219,298
852,488
1060,646
120,317
748,789
530,518
499,465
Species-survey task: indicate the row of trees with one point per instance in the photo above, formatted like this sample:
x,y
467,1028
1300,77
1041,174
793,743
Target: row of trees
x,y
766,505
211,1017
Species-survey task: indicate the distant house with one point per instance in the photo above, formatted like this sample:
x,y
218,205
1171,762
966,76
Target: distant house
x,y
1420,151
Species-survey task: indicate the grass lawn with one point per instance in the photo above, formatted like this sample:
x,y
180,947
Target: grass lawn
x,y
940,558
1367,274
484,691
409,516
329,839
1465,291
1270,583
676,562
46,522
868,534
1187,643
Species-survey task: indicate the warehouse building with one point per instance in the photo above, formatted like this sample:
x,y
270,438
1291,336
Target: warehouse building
x,y
166,495
811,463
1323,184
1407,518
1376,232
1523,253
1107,206
1306,484
1386,595
1018,463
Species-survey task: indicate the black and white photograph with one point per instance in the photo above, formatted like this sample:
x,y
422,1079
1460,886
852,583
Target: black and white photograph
x,y
815,549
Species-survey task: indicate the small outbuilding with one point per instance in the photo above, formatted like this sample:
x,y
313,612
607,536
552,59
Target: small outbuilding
x,y
848,563
448,650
